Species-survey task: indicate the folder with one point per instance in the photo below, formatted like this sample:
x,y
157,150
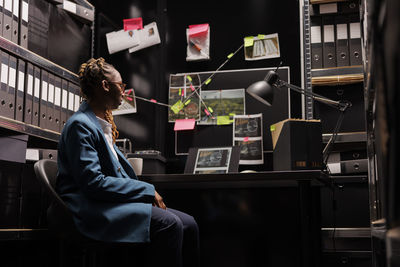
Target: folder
x,y
7,19
15,22
342,41
28,103
51,123
20,92
36,96
5,100
43,100
71,99
355,40
77,97
316,43
57,103
329,51
12,81
23,21
64,103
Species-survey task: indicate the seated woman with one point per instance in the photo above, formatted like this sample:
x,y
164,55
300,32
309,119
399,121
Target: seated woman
x,y
100,187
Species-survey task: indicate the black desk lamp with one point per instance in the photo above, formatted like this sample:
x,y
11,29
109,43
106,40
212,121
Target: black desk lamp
x,y
263,91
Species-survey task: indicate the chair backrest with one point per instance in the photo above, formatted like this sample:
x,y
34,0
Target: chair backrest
x,y
46,172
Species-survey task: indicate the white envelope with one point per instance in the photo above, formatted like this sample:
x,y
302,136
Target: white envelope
x,y
120,40
148,36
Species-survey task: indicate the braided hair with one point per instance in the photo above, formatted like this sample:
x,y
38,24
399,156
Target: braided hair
x,y
91,74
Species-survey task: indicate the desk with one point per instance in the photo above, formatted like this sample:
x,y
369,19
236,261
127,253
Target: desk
x,y
250,219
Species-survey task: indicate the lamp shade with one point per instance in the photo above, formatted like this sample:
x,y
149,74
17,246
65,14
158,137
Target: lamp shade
x,y
262,91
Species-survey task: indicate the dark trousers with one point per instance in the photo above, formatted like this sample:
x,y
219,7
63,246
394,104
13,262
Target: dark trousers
x,y
174,239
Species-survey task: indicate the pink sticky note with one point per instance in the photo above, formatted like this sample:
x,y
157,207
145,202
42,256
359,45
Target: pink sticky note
x,y
153,100
246,139
206,111
198,29
130,99
187,124
133,24
192,87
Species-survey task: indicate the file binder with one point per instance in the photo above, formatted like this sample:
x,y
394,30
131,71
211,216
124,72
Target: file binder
x,y
15,22
342,41
36,96
329,52
64,103
6,100
57,103
12,78
71,98
355,41
28,103
1,16
50,105
316,43
23,19
20,92
43,100
7,19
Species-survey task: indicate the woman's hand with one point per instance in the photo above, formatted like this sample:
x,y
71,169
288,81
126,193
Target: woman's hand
x,y
158,201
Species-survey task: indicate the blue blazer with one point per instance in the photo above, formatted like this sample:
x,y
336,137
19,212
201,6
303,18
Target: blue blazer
x,y
107,200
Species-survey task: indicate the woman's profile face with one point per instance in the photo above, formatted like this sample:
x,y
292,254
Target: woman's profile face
x,y
116,90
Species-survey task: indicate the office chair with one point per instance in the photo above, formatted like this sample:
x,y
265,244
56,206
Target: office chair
x,y
60,220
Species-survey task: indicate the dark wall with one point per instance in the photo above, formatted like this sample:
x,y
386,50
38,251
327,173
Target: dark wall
x,y
148,70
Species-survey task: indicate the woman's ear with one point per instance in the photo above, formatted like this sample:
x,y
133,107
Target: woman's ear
x,y
105,85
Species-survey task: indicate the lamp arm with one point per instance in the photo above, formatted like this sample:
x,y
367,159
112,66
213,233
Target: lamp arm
x,y
314,96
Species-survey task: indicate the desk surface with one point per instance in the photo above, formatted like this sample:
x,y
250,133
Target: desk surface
x,y
272,178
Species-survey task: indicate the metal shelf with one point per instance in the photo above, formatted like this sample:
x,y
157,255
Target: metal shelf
x,y
28,129
337,76
325,1
351,137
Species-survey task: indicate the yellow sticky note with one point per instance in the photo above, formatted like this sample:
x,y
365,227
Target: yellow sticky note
x,y
223,120
248,41
187,102
189,78
272,128
210,109
177,107
230,55
261,36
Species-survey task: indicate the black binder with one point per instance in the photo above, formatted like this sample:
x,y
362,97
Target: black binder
x,y
50,105
7,19
36,96
28,103
57,103
12,77
355,40
316,43
15,22
23,21
329,42
64,103
43,100
20,92
342,41
71,99
5,99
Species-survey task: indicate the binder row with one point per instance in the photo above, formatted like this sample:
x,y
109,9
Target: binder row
x,y
14,21
35,96
336,39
